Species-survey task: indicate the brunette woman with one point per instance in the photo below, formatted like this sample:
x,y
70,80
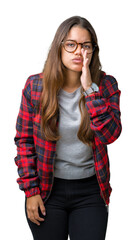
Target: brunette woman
x,y
68,115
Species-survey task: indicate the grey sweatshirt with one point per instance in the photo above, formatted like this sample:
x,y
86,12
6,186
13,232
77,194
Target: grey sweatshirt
x,y
74,159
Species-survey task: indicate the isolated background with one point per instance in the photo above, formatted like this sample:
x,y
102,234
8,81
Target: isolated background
x,y
27,29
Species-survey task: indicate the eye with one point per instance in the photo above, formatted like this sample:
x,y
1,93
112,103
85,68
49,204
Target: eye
x,y
87,46
70,44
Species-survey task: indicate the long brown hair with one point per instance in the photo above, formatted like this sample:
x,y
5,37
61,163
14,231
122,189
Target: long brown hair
x,y
53,80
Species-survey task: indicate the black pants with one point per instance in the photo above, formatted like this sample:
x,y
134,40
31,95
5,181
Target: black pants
x,y
75,209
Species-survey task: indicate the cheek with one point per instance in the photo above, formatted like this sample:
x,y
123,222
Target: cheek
x,y
65,59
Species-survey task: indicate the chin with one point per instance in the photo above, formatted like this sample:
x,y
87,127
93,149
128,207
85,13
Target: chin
x,y
76,68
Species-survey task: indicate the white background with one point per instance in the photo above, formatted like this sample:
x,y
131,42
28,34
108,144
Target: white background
x,y
27,29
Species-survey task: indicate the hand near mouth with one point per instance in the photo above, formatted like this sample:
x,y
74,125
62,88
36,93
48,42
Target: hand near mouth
x,y
85,77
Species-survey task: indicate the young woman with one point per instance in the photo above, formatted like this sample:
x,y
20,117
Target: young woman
x,y
69,113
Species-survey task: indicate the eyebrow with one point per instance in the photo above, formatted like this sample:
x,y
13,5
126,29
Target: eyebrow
x,y
76,41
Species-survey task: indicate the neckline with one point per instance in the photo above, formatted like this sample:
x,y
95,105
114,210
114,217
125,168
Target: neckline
x,y
70,93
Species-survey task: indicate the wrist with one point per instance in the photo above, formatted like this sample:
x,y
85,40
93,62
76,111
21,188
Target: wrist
x,y
88,86
91,89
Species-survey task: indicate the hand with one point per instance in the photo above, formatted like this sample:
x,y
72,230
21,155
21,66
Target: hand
x,y
32,204
85,77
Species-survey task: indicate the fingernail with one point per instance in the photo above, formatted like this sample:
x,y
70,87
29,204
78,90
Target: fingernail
x,y
44,213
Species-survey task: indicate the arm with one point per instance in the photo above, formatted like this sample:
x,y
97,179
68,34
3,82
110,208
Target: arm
x,y
103,108
26,155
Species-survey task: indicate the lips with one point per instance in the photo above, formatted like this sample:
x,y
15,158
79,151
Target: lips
x,y
77,60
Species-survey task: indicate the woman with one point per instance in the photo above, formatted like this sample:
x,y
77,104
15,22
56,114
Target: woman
x,y
68,115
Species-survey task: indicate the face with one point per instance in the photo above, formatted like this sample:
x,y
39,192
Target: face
x,y
74,61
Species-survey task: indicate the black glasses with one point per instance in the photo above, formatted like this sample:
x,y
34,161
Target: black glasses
x,y
71,46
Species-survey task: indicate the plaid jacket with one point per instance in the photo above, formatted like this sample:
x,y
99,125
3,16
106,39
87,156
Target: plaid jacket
x,y
35,155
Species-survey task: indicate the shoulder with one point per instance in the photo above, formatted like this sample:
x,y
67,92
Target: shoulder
x,y
34,81
108,85
33,87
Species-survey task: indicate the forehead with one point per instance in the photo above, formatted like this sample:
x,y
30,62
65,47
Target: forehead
x,y
78,34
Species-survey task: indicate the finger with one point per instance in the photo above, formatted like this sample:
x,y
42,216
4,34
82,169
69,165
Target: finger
x,y
35,221
85,59
37,217
86,62
42,207
83,53
32,218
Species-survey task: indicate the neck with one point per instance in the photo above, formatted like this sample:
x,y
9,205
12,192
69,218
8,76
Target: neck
x,y
72,79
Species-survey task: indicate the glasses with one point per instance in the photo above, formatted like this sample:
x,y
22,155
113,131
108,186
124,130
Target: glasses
x,y
71,46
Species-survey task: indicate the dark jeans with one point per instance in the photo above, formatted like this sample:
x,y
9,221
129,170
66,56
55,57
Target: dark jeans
x,y
75,209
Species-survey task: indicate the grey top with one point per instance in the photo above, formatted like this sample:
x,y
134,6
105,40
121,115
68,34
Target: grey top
x,y
74,159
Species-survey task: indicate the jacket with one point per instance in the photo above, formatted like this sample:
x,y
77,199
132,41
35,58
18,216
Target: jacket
x,y
35,155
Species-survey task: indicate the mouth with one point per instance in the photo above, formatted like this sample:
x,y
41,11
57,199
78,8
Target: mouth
x,y
77,60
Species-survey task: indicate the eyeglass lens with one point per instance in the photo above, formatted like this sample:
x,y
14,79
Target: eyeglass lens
x,y
71,46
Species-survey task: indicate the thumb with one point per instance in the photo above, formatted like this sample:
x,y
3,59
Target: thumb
x,y
42,207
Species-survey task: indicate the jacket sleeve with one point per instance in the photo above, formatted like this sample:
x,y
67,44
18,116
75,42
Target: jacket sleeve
x,y
26,155
103,108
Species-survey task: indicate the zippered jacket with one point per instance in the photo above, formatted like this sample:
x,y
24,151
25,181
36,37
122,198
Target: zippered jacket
x,y
35,155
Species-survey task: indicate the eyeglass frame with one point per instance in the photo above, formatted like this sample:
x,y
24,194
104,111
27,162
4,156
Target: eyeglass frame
x,y
78,44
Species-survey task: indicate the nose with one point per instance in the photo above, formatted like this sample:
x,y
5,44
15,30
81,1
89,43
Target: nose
x,y
79,47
